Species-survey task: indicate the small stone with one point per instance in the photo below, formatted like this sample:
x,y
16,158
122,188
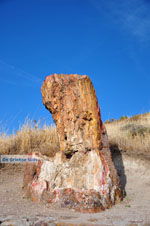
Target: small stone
x,y
15,223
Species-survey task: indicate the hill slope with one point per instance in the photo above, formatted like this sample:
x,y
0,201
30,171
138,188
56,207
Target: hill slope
x,y
130,135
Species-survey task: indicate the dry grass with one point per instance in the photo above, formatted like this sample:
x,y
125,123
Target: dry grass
x,y
30,139
131,135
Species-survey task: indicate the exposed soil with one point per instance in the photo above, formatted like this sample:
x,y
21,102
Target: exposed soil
x,y
134,210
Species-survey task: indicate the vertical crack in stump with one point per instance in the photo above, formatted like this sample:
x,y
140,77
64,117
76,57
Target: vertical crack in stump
x,y
82,174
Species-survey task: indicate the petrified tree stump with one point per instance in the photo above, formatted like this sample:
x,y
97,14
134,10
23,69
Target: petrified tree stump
x,y
82,174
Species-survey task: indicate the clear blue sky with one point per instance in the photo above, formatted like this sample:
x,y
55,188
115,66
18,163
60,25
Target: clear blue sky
x,y
107,40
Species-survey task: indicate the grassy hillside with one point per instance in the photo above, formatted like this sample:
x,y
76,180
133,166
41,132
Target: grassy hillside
x,y
30,139
130,135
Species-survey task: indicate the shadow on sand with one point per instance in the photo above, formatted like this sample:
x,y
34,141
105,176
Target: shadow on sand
x,y
118,162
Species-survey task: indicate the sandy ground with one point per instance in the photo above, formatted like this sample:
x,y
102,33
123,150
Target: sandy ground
x,y
134,210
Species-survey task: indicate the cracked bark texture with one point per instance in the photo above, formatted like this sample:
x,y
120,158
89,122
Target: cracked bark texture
x,y
81,175
72,101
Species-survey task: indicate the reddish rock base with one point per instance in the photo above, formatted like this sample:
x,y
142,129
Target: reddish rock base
x,y
86,188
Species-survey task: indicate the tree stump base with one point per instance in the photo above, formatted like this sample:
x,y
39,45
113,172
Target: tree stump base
x,y
81,175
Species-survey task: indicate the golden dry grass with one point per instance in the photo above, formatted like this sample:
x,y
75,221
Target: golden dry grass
x,y
30,139
131,135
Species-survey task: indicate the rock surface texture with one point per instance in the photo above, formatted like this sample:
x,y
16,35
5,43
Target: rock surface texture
x,y
81,175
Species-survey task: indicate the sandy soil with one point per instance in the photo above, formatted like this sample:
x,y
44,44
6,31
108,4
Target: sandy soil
x,y
134,210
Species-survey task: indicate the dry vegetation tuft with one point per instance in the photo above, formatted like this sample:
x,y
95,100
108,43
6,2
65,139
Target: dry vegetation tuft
x,y
31,139
131,135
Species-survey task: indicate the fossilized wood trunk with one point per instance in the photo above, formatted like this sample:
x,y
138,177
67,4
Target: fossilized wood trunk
x,y
82,174
71,100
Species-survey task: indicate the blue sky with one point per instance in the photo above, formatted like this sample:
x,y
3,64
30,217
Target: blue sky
x,y
107,40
